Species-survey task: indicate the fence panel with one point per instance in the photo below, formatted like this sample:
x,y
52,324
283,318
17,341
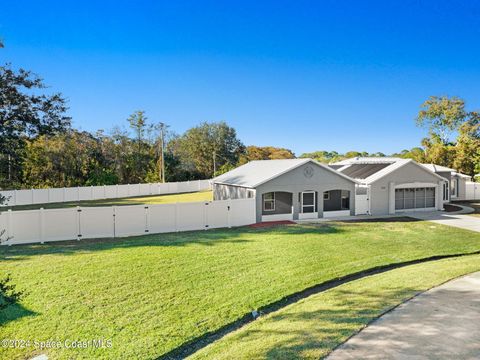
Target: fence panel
x,y
217,214
98,192
56,195
162,218
144,189
122,191
85,193
71,194
130,220
242,212
25,226
32,226
96,222
110,191
60,224
40,196
190,216
472,190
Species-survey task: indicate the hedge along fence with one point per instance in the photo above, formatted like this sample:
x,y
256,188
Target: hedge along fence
x,y
58,195
33,226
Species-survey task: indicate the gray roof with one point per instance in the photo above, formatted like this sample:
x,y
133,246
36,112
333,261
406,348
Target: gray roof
x,y
258,172
437,168
378,168
362,171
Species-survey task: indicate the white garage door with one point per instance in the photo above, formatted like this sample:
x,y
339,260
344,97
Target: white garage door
x,y
415,198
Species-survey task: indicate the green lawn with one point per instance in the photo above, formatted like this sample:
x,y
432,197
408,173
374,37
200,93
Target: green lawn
x,y
157,199
152,294
311,328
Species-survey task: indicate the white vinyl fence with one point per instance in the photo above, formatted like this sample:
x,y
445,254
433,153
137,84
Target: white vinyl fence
x,y
32,226
472,191
56,195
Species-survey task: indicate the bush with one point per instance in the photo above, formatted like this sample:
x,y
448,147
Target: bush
x,y
8,294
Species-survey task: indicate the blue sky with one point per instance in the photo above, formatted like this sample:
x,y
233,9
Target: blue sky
x,y
306,75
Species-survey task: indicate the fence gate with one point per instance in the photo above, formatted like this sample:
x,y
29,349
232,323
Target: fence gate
x,y
362,198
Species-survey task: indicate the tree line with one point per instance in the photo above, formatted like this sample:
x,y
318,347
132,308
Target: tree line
x,y
40,148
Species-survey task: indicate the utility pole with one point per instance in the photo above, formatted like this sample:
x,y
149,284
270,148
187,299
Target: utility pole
x,y
214,164
162,150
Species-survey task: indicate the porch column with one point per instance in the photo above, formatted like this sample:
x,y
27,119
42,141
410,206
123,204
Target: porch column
x,y
439,195
391,198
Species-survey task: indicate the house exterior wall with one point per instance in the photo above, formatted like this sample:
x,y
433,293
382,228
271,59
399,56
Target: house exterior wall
x,y
225,192
295,181
381,191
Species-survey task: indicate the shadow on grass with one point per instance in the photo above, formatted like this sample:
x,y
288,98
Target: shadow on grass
x,y
211,237
14,312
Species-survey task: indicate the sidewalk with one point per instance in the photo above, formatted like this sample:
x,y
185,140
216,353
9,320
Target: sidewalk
x,y
441,323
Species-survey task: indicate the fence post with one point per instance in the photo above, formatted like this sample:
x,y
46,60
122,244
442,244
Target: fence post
x,y
229,217
78,193
14,197
147,220
128,190
176,216
42,226
91,192
48,195
114,224
9,225
79,223
104,191
32,196
205,215
64,194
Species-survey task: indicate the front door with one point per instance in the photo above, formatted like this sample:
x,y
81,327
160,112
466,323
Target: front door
x,y
307,205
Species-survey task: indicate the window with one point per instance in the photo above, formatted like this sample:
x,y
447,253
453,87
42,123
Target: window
x,y
269,201
326,195
445,191
345,200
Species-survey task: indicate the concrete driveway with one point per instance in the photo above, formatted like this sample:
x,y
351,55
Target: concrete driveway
x,y
442,323
457,219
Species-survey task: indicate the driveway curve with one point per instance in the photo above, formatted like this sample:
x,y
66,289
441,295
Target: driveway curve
x,y
442,323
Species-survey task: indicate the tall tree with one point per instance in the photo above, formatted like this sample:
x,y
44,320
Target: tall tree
x,y
467,149
442,116
24,113
209,147
253,152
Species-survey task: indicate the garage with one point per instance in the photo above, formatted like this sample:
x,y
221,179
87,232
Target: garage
x,y
421,198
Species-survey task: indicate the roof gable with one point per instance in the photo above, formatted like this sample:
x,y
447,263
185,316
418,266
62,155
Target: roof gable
x,y
258,172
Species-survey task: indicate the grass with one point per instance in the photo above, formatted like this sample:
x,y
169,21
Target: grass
x,y
313,327
140,200
152,294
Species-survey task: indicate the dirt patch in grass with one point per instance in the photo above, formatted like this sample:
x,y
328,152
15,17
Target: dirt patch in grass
x,y
268,224
382,220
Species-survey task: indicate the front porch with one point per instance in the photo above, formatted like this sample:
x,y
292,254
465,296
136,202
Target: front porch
x,y
282,205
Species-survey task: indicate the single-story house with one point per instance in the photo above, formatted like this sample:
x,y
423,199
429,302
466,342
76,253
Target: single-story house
x,y
456,186
395,185
289,189
304,189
